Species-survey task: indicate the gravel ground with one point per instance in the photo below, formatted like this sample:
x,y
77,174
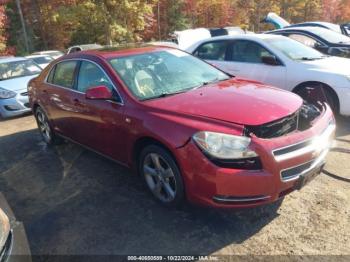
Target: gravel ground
x,y
73,201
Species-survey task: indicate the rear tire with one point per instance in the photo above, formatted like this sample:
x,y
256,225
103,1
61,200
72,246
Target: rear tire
x,y
312,93
161,175
45,129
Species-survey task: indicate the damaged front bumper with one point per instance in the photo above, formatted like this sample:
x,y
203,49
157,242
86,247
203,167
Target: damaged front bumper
x,y
211,185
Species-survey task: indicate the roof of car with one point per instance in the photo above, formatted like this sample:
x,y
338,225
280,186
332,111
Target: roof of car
x,y
34,56
246,36
119,51
302,28
12,59
47,52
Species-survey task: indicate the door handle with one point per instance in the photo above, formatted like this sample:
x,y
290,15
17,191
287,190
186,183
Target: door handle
x,y
77,102
45,91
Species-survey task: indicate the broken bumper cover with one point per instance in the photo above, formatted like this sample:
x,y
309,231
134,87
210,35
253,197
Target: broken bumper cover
x,y
211,185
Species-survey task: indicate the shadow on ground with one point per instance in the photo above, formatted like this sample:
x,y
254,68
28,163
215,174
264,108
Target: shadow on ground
x,y
73,201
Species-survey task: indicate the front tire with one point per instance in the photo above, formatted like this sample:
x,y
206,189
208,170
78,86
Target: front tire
x,y
161,175
45,129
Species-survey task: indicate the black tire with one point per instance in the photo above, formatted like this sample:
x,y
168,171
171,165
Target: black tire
x,y
312,93
165,178
45,129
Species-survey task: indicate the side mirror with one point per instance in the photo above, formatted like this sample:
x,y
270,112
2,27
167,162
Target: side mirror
x,y
98,93
270,60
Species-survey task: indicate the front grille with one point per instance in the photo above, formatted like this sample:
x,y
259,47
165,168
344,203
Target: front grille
x,y
295,171
292,148
24,94
6,249
300,120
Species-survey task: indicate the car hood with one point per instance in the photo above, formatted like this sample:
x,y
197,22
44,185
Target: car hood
x,y
236,101
16,84
330,65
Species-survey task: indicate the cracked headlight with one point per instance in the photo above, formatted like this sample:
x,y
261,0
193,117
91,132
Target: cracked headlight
x,y
4,93
224,146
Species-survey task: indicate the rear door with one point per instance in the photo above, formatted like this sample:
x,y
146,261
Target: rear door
x,y
98,124
57,96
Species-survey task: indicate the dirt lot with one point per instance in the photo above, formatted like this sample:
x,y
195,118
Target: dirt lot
x,y
73,201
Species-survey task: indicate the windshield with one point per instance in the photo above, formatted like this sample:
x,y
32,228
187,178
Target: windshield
x,y
18,69
294,49
42,59
331,36
161,73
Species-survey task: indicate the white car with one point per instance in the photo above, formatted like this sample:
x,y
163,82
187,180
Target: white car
x,y
53,53
188,37
282,62
41,60
78,48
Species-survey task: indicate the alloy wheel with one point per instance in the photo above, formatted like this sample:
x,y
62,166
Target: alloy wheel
x,y
159,177
44,126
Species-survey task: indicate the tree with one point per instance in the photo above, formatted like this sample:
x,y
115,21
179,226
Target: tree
x,y
344,13
168,16
5,48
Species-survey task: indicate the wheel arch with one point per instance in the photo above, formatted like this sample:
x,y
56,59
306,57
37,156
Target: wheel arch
x,y
144,141
314,83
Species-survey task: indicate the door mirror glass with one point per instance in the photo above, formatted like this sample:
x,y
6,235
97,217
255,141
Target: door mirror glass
x,y
270,60
98,93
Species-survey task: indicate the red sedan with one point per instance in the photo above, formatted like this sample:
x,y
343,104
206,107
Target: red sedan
x,y
191,131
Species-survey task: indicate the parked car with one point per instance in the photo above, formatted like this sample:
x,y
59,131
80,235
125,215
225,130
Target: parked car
x,y
188,37
282,62
15,73
190,130
41,60
78,48
53,53
323,40
13,240
279,23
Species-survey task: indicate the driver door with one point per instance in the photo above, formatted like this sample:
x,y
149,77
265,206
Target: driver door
x,y
98,124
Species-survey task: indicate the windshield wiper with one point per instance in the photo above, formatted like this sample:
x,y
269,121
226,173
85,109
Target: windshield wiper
x,y
165,94
209,82
310,58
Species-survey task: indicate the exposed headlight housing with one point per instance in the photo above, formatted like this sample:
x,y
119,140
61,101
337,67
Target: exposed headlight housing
x,y
224,146
5,94
228,151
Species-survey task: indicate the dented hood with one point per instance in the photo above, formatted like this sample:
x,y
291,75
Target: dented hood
x,y
236,101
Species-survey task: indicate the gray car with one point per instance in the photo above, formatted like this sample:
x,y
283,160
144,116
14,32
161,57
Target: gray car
x,y
15,73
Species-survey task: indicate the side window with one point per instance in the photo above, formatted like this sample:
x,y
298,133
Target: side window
x,y
64,74
212,51
90,75
51,74
306,40
247,52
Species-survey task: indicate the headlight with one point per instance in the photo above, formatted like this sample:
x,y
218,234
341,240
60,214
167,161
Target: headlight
x,y
223,146
6,93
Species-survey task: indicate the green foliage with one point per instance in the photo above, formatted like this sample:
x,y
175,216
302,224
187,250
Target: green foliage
x,y
57,24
